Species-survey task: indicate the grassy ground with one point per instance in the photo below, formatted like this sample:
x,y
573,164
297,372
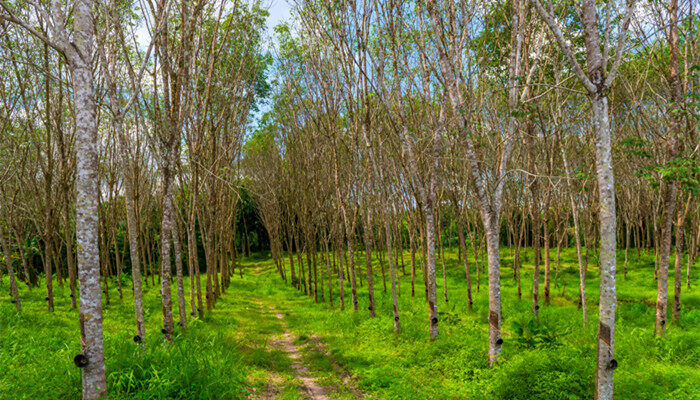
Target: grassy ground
x,y
231,353
552,359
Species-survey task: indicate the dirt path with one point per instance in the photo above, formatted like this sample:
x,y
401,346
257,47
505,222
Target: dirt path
x,y
304,376
286,343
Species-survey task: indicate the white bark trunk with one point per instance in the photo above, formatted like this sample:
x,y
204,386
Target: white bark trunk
x,y
608,299
87,226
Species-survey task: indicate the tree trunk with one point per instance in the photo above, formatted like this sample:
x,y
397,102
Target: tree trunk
x,y
547,260
691,253
182,308
192,252
340,280
678,264
492,250
165,236
627,247
442,261
10,271
516,258
367,235
608,298
70,259
670,199
25,267
413,263
665,251
537,258
48,273
389,250
94,379
428,208
577,236
132,227
463,250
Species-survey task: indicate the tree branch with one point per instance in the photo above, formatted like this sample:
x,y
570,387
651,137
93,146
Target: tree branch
x,y
549,20
620,44
11,17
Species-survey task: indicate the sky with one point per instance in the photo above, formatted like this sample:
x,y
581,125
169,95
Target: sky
x,y
279,12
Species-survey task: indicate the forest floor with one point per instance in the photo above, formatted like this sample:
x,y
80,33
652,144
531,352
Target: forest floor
x,y
267,340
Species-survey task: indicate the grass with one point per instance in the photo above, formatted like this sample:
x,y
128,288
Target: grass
x,y
554,359
228,354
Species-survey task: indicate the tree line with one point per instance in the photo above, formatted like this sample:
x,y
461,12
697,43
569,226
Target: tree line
x,y
394,129
403,125
130,117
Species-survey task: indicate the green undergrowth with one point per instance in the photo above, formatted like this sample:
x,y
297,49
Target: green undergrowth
x,y
552,357
230,353
207,361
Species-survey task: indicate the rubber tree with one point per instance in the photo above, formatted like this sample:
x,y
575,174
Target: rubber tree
x,y
597,79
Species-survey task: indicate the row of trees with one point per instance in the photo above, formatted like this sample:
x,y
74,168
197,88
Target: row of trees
x,y
118,117
398,123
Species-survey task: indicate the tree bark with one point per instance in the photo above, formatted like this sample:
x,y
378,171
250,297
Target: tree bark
x,y
671,189
165,261
367,235
577,237
178,270
10,271
87,225
678,264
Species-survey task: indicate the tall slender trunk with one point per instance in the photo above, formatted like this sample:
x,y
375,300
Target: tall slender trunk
x,y
692,242
537,258
442,261
558,266
577,237
291,263
389,252
165,237
678,264
302,273
475,249
182,308
401,248
48,272
516,259
670,198
663,264
671,188
132,227
70,260
608,299
367,235
94,379
429,210
340,279
492,251
330,273
627,247
117,264
104,254
545,224
10,271
25,267
412,244
463,250
638,239
195,276
351,265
